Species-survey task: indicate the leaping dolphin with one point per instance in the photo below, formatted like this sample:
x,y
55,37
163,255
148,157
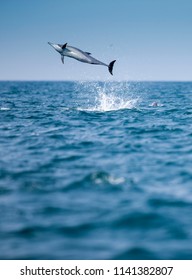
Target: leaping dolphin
x,y
80,55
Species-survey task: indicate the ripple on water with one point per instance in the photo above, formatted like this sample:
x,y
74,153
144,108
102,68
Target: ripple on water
x,y
92,170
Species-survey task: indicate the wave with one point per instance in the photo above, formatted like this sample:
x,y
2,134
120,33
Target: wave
x,y
97,179
4,109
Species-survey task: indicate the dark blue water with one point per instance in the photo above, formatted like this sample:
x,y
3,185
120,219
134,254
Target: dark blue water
x,y
95,170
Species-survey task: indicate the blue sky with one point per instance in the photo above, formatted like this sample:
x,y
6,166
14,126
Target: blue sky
x,y
150,39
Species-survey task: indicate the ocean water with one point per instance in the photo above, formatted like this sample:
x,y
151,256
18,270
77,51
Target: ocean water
x,y
95,170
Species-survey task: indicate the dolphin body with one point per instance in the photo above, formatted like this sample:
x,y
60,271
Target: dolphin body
x,y
80,55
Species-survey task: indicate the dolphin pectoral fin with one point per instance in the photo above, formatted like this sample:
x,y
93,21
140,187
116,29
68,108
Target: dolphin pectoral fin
x,y
64,46
110,67
62,59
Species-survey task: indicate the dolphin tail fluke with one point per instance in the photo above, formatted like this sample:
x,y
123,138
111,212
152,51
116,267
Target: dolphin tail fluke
x,y
110,67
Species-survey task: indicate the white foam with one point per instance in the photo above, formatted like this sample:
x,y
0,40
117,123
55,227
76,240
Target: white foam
x,y
4,109
110,97
112,102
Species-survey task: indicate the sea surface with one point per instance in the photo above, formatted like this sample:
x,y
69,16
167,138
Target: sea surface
x,y
95,170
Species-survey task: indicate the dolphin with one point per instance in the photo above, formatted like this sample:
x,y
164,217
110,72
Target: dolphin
x,y
66,50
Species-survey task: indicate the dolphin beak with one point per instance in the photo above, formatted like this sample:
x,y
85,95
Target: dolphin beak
x,y
51,44
55,46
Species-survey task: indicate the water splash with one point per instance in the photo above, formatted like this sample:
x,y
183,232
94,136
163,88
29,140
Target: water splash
x,y
110,97
113,102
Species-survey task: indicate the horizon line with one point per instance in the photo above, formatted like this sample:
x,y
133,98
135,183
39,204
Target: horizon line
x,y
90,80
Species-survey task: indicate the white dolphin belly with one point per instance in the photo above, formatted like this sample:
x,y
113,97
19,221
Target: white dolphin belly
x,y
81,56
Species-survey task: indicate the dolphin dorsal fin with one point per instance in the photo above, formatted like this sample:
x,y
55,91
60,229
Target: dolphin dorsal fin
x,y
64,46
88,53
